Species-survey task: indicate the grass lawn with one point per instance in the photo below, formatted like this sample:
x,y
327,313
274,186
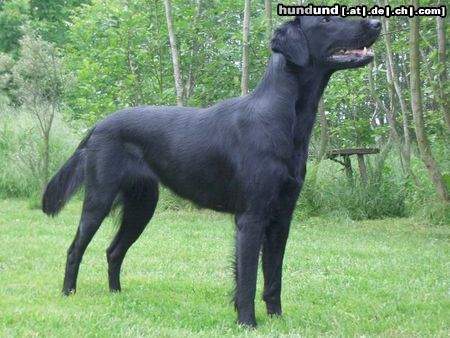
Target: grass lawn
x,y
375,278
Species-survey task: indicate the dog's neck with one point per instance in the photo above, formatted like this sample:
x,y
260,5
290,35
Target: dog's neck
x,y
287,85
312,84
279,82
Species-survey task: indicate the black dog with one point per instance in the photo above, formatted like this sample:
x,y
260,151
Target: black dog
x,y
245,156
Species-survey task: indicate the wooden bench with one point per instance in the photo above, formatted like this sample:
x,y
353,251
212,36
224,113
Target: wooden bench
x,y
346,153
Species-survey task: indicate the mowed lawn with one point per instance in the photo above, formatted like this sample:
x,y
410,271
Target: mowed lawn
x,y
341,278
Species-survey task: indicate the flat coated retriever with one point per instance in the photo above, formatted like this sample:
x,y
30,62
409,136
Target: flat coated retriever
x,y
245,156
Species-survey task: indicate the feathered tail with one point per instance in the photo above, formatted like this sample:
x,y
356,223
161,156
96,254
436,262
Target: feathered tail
x,y
66,182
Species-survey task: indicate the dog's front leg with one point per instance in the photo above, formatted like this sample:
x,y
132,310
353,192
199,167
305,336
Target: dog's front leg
x,y
272,262
274,244
250,228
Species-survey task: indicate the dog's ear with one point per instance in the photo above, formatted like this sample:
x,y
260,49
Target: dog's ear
x,y
290,41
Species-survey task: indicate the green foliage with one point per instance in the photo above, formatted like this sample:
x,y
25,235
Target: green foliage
x,y
115,53
7,86
34,78
13,15
422,199
51,18
331,192
434,211
388,193
21,151
120,56
38,75
349,110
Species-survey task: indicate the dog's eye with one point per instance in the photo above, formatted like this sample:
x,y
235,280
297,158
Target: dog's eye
x,y
325,19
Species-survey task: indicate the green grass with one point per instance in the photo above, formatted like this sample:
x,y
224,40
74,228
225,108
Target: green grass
x,y
341,278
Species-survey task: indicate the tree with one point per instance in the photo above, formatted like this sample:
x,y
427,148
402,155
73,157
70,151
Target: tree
x,y
392,77
245,47
39,79
324,132
50,18
175,57
116,60
416,105
194,52
442,62
13,15
268,10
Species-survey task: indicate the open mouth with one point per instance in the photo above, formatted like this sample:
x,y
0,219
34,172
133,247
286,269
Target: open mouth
x,y
350,53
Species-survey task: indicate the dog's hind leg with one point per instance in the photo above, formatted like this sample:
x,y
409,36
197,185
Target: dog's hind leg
x,y
139,203
96,206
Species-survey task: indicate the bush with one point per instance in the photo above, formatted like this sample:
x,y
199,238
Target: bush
x,y
327,190
422,197
21,149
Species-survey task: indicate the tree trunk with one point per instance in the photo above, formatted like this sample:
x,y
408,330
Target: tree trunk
x,y
194,50
362,169
138,97
48,118
245,48
175,57
422,140
268,10
394,135
392,74
159,73
442,60
381,158
348,168
324,131
45,170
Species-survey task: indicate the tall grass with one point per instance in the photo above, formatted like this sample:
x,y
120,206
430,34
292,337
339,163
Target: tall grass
x,y
422,197
327,190
21,152
387,193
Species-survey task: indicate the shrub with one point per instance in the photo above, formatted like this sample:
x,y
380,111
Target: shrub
x,y
21,150
328,190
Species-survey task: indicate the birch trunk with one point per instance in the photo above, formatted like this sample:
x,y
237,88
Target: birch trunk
x,y
245,48
175,57
268,10
394,76
194,50
324,131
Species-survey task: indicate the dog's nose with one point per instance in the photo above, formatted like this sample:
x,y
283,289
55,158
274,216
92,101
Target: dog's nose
x,y
375,24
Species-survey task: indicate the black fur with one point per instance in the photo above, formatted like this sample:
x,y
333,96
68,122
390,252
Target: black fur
x,y
245,156
67,181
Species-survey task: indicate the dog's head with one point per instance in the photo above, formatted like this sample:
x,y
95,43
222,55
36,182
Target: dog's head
x,y
328,41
